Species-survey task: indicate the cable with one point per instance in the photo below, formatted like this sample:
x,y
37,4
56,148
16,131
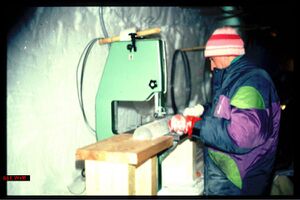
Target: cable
x,y
79,85
77,186
83,172
187,73
102,24
84,54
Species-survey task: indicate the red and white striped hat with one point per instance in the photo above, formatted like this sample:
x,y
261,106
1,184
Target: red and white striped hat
x,y
224,41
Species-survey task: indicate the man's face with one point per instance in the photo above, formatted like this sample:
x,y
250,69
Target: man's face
x,y
216,62
220,62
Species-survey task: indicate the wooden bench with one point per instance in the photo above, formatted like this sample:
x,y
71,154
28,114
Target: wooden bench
x,y
121,165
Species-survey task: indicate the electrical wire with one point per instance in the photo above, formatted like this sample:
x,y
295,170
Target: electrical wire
x,y
102,24
72,187
85,55
79,84
187,73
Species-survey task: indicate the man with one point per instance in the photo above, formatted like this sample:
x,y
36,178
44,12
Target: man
x,y
240,127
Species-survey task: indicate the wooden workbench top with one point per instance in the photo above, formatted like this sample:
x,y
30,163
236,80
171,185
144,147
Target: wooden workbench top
x,y
123,148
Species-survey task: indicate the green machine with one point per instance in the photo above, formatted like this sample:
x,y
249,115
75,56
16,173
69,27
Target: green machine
x,y
134,71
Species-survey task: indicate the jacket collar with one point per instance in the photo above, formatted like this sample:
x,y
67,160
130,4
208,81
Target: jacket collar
x,y
238,65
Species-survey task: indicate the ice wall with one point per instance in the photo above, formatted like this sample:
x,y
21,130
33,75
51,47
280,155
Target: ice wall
x,y
44,122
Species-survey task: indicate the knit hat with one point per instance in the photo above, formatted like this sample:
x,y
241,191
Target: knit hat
x,y
224,42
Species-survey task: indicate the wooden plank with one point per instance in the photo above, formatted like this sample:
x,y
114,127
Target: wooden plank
x,y
123,148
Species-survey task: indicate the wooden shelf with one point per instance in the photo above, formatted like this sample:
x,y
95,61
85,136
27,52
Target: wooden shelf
x,y
121,165
123,148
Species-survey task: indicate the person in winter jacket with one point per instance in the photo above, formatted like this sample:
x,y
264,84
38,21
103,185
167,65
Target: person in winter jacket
x,y
240,127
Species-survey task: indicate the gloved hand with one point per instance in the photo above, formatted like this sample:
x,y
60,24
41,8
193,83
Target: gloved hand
x,y
177,124
196,111
182,124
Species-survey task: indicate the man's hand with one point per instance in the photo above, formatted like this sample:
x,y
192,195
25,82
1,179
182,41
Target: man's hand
x,y
178,124
195,111
182,124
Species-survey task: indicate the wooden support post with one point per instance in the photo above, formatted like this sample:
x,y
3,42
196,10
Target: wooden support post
x,y
146,178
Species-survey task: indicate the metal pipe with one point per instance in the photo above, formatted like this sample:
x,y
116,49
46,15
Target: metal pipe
x,y
197,48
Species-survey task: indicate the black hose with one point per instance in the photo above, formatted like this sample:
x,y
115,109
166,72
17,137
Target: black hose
x,y
187,73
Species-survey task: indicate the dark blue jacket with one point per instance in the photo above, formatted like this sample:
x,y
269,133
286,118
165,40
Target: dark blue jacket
x,y
240,131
